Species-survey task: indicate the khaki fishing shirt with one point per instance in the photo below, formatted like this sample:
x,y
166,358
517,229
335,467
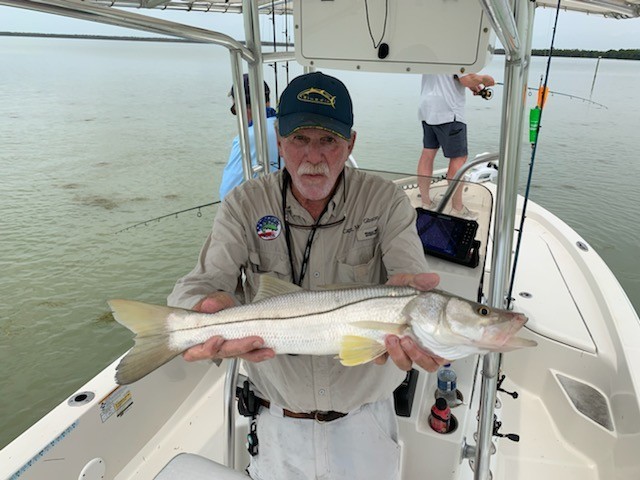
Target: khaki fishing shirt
x,y
370,235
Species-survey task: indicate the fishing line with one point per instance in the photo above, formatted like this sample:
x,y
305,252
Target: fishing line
x,y
534,147
199,214
572,97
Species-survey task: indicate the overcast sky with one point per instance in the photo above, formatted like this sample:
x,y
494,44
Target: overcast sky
x,y
575,30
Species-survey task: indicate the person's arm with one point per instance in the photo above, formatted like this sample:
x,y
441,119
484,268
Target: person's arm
x,y
476,82
220,263
207,288
232,175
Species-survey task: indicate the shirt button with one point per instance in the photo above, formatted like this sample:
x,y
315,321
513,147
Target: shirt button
x,y
321,391
316,274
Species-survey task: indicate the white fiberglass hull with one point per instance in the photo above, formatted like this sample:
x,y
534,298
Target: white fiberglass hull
x,y
577,412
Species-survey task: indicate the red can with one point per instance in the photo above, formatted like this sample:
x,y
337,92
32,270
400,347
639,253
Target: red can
x,y
440,417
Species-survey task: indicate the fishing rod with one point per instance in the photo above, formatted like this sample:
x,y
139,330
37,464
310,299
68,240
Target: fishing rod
x,y
552,93
199,214
535,123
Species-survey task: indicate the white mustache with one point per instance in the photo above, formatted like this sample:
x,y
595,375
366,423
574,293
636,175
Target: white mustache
x,y
313,169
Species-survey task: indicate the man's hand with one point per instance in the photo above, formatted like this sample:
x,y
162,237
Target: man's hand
x,y
419,281
405,352
476,82
249,348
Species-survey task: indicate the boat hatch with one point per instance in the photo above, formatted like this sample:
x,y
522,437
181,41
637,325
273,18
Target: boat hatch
x,y
375,38
547,274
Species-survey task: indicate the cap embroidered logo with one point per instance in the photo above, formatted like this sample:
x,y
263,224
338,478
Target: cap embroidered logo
x,y
316,95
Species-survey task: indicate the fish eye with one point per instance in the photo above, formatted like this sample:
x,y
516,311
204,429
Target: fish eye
x,y
484,311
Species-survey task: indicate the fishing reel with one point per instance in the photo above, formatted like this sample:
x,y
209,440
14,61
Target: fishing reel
x,y
486,93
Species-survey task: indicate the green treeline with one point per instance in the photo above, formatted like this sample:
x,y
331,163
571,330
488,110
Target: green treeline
x,y
629,54
619,54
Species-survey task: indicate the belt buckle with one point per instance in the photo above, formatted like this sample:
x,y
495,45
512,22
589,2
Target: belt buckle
x,y
320,417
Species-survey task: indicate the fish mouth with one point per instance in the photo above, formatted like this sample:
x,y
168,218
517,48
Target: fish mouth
x,y
515,324
520,318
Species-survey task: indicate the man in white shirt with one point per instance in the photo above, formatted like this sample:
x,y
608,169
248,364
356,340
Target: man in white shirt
x,y
441,111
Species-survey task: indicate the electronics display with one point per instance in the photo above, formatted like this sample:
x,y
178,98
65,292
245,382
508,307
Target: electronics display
x,y
448,237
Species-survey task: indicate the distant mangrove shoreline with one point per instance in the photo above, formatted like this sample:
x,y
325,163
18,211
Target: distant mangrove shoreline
x,y
628,54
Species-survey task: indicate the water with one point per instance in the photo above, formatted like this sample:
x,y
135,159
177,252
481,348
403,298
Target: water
x,y
99,135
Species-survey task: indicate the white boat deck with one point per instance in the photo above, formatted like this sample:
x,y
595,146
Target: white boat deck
x,y
576,414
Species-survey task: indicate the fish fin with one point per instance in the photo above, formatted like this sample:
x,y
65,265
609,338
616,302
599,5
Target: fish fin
x,y
151,349
358,350
517,342
394,328
270,287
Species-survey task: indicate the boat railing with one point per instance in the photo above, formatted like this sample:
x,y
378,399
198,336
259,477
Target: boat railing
x,y
229,421
478,159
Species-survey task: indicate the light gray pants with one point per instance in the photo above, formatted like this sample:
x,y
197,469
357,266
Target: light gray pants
x,y
362,445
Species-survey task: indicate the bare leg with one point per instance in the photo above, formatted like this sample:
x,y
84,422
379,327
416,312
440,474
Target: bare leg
x,y
454,165
425,171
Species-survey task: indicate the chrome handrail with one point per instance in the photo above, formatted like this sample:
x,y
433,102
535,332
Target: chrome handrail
x,y
229,421
120,18
516,70
453,183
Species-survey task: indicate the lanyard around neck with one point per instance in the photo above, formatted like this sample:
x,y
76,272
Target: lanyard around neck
x,y
287,231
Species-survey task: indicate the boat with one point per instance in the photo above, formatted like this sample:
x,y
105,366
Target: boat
x,y
566,409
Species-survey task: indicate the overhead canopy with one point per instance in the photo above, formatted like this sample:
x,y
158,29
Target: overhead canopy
x,y
608,8
264,6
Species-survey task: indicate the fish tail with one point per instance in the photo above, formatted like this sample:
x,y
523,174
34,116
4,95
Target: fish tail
x,y
151,349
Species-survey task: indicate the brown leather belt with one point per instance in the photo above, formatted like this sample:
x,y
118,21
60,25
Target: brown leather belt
x,y
317,415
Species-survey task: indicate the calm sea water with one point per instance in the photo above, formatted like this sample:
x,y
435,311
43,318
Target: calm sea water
x,y
98,135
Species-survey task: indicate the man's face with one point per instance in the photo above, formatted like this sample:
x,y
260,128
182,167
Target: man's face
x,y
314,158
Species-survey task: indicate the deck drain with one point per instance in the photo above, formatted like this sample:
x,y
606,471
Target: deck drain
x,y
81,398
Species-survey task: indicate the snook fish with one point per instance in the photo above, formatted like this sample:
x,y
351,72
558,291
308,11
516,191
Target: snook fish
x,y
349,322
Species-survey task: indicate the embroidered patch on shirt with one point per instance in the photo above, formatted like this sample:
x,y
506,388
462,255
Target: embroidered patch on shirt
x,y
269,227
366,233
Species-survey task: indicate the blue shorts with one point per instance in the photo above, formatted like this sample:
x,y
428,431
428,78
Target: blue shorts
x,y
452,137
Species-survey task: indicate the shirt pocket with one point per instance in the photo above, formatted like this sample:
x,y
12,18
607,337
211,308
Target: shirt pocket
x,y
266,263
362,264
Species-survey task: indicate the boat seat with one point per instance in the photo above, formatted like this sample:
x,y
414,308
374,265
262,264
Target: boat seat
x,y
188,466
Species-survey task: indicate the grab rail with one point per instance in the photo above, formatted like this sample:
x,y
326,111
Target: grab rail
x,y
229,421
453,184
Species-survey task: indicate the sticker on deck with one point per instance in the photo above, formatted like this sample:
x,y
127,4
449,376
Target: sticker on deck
x,y
117,402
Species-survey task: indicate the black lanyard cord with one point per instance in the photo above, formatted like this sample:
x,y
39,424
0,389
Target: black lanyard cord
x,y
287,232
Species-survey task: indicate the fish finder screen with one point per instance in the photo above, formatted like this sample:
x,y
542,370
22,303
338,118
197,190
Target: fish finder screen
x,y
445,235
438,233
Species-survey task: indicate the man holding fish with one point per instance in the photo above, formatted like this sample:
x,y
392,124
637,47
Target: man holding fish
x,y
314,223
276,242
261,291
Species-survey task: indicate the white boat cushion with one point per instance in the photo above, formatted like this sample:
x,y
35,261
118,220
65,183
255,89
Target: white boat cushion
x,y
189,466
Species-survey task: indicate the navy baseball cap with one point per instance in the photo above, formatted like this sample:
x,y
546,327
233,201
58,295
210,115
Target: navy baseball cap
x,y
247,93
315,100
